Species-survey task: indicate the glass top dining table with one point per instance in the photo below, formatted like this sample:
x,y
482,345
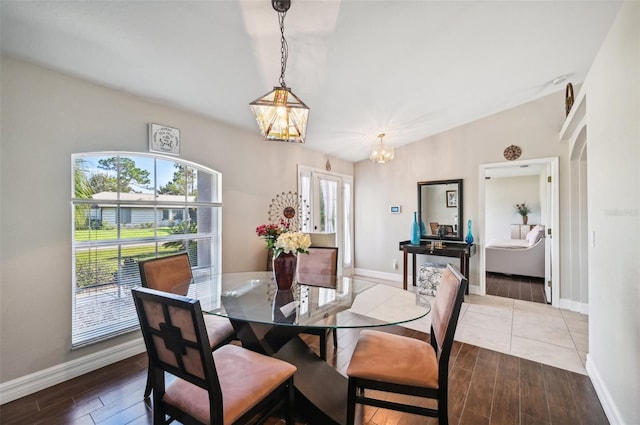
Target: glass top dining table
x,y
269,321
313,301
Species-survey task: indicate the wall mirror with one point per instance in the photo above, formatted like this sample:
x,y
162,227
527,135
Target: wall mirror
x,y
440,209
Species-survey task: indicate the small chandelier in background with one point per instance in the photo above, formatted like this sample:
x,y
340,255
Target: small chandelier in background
x,y
381,153
281,115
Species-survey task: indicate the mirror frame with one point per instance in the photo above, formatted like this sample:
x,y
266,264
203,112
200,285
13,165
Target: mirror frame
x,y
459,237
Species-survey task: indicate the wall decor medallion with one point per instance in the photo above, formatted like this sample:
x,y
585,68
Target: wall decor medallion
x,y
512,152
289,209
164,139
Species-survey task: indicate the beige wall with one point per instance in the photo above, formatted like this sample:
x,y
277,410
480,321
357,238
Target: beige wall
x,y
612,90
453,154
47,116
502,194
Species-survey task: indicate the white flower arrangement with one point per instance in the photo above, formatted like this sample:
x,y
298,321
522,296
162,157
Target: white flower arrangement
x,y
292,242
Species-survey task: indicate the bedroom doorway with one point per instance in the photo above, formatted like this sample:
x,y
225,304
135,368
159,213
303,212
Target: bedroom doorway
x,y
502,186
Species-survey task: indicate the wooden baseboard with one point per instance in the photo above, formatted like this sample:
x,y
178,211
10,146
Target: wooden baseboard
x,y
34,382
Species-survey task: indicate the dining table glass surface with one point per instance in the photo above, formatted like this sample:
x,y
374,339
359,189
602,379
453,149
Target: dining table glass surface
x,y
339,302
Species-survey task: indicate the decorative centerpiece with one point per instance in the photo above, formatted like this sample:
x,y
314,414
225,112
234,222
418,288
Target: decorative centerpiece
x,y
524,210
286,248
270,232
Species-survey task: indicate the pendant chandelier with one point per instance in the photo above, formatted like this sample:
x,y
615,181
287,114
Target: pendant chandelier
x,y
381,153
281,115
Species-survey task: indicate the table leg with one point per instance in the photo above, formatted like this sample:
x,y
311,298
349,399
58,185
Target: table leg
x,y
404,269
415,272
321,392
464,268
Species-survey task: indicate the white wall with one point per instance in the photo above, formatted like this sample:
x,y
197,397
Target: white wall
x,y
502,194
612,89
47,116
454,154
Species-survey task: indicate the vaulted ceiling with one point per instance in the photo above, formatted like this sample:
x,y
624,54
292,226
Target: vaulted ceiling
x,y
407,68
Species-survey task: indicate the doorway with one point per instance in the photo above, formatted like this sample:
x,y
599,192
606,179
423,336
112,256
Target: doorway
x,y
330,199
545,172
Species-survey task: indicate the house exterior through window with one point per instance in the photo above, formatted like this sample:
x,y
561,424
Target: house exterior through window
x,y
129,207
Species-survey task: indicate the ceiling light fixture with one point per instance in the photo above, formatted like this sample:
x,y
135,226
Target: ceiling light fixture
x,y
381,153
281,115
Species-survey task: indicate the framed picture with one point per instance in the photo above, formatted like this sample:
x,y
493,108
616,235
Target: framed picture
x,y
164,139
452,198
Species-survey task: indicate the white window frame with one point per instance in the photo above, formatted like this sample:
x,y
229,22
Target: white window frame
x,y
205,242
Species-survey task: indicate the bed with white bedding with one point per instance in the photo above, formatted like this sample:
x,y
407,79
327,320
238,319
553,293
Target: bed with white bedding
x,y
524,257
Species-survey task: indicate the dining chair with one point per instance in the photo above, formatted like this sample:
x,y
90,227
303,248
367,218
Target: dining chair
x,y
418,368
231,385
434,227
173,274
320,268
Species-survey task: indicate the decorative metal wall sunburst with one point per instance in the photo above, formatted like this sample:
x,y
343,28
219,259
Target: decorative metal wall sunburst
x,y
289,208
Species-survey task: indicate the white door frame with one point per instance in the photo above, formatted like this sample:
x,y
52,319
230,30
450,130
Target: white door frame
x,y
554,220
344,269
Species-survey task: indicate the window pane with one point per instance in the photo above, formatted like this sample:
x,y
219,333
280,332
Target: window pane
x,y
328,203
206,187
122,215
172,179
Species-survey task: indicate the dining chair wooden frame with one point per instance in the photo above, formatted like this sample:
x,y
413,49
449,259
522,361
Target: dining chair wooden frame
x,y
330,254
172,273
231,385
416,376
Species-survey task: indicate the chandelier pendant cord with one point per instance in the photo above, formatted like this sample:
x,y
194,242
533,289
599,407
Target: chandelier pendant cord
x,y
284,48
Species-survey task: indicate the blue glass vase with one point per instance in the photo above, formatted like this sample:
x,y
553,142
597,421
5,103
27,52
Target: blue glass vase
x,y
415,230
469,238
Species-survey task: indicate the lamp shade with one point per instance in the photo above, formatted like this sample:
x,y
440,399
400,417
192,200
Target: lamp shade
x,y
281,116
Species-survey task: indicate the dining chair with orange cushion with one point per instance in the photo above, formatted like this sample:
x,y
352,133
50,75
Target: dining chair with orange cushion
x,y
434,228
230,385
419,368
319,268
173,274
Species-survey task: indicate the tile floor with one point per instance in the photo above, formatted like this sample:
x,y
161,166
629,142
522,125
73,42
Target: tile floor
x,y
525,329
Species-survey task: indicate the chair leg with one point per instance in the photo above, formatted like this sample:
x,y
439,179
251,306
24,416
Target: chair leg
x,y
290,418
443,408
351,403
149,387
323,345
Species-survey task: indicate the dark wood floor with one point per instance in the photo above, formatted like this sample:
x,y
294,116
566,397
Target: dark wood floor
x,y
486,387
516,287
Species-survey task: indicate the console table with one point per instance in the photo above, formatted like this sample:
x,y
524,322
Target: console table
x,y
449,249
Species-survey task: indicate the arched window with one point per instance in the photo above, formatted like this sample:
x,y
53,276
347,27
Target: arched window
x,y
128,207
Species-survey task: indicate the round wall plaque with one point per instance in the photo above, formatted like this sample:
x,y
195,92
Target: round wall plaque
x,y
512,152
